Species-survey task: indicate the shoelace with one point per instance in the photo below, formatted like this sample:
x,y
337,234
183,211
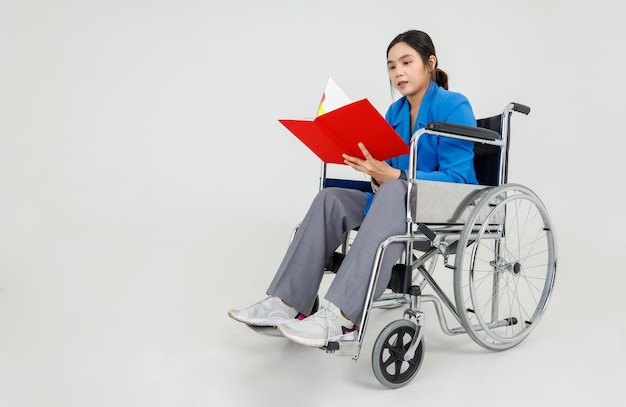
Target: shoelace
x,y
327,315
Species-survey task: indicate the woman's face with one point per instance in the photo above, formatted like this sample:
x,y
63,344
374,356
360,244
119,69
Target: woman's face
x,y
406,70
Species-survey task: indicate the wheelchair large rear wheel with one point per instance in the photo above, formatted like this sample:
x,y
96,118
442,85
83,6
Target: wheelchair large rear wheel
x,y
388,362
505,267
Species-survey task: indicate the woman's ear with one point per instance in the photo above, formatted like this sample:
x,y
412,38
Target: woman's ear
x,y
432,62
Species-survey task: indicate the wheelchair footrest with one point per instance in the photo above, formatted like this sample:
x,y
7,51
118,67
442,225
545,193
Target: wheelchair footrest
x,y
341,348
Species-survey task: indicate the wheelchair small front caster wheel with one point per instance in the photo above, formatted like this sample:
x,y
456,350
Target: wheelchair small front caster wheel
x,y
389,351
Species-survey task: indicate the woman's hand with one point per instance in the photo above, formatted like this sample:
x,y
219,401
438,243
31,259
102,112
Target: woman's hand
x,y
380,171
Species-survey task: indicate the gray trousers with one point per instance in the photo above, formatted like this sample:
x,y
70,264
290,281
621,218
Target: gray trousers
x,y
333,212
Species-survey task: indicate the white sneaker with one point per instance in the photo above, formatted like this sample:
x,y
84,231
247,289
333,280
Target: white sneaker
x,y
271,311
326,325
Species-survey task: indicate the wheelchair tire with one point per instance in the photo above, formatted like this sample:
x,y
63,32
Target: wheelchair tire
x,y
505,267
388,362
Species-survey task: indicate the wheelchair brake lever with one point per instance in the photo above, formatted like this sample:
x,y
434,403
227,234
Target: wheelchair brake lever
x,y
438,242
427,232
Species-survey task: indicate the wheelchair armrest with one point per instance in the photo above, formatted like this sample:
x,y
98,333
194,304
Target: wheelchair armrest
x,y
461,130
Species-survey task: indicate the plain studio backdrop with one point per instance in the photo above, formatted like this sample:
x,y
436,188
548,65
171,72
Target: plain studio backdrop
x,y
146,187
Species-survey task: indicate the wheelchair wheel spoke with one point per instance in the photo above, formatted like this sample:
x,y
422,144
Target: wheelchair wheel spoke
x,y
505,278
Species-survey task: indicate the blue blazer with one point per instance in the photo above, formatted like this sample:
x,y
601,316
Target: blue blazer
x,y
438,158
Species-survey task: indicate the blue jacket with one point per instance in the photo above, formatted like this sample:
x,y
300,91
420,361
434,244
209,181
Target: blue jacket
x,y
438,158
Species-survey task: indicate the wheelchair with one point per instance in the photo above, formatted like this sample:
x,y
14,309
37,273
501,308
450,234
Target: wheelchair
x,y
496,238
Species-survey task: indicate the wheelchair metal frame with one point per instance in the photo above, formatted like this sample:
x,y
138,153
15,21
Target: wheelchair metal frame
x,y
475,223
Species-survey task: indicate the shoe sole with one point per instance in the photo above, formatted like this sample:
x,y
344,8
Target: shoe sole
x,y
259,323
266,331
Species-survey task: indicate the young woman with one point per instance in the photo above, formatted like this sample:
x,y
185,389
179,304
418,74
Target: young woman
x,y
412,66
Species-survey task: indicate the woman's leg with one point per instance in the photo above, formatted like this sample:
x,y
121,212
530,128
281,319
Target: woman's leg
x,y
386,217
333,212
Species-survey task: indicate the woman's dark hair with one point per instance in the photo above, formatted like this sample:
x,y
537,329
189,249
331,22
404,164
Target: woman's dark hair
x,y
423,45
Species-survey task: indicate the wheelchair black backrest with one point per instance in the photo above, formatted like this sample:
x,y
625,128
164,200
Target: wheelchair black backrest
x,y
487,157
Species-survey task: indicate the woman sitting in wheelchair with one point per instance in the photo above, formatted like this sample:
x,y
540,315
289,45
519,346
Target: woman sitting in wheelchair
x,y
412,66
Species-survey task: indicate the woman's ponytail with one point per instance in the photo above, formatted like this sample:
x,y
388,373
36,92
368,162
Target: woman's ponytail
x,y
441,78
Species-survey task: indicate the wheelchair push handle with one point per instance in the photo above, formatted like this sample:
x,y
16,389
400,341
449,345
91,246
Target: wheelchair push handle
x,y
520,108
485,131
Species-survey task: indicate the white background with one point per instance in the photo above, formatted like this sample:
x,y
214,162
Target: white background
x,y
146,187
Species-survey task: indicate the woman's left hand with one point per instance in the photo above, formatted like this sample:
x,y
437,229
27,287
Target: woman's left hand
x,y
380,171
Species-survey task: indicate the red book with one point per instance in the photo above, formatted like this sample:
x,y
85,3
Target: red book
x,y
339,132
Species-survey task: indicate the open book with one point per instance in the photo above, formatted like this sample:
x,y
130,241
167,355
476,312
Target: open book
x,y
339,127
